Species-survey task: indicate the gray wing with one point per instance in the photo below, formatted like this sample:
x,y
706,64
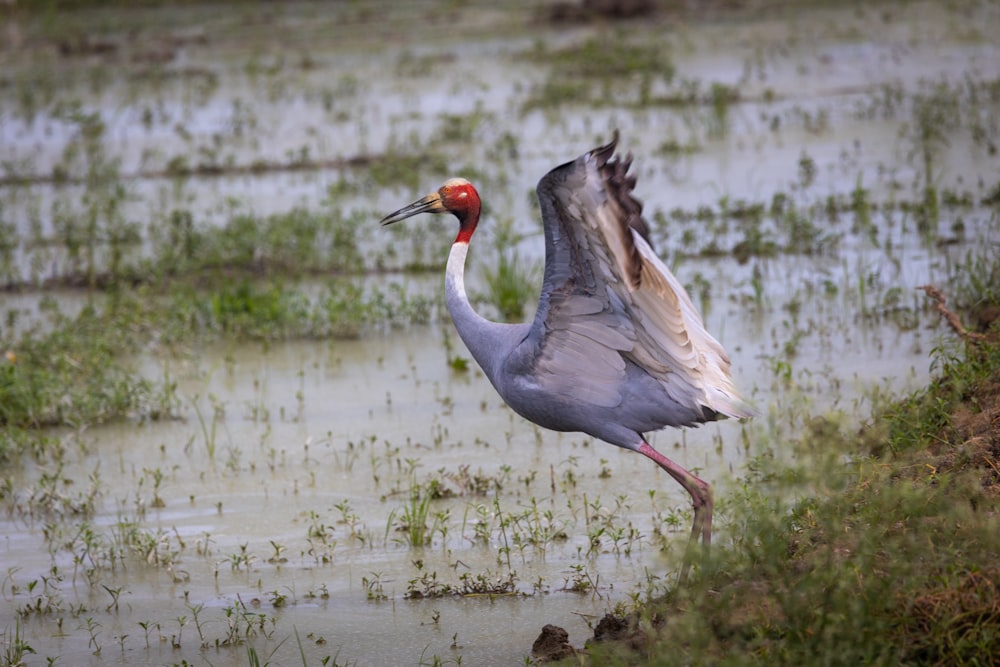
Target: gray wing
x,y
607,298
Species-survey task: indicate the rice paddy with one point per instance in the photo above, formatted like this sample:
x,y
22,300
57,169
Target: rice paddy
x,y
236,425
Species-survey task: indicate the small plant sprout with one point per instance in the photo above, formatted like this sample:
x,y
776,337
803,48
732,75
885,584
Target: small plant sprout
x,y
14,647
114,593
374,587
279,549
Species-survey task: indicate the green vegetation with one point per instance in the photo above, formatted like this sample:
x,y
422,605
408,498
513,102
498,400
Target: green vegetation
x,y
75,375
512,282
605,68
75,371
613,71
878,549
606,56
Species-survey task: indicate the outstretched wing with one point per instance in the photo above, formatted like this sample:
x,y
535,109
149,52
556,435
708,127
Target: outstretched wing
x,y
607,298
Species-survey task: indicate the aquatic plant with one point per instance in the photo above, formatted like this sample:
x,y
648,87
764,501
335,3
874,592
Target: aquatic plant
x,y
512,282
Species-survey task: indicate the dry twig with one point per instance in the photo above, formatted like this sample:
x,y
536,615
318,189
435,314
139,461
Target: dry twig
x,y
952,319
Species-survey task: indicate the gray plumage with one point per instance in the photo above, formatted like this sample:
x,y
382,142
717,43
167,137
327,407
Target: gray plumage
x,y
616,348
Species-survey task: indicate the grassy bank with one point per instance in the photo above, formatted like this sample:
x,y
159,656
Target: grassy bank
x,y
876,547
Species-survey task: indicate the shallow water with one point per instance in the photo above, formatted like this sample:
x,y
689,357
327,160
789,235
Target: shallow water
x,y
276,498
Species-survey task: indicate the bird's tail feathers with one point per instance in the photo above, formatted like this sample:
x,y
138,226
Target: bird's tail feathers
x,y
729,403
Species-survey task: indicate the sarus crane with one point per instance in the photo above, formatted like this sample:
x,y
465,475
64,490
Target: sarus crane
x,y
616,348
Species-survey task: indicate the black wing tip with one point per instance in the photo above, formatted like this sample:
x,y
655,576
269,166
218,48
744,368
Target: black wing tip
x,y
605,152
620,184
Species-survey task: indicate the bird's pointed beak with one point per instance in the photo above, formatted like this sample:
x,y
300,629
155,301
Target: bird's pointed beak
x,y
429,204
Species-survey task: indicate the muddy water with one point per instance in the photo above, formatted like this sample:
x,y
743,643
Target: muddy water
x,y
308,427
273,506
274,477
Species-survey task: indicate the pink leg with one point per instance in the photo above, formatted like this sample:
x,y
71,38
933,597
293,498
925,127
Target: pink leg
x,y
701,499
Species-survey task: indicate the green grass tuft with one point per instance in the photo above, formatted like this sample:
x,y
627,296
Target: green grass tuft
x,y
878,550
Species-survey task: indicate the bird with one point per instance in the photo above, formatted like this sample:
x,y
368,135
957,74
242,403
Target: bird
x,y
616,348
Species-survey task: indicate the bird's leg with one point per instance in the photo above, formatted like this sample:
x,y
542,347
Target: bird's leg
x,y
701,500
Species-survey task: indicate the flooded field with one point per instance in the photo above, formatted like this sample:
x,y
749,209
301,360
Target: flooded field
x,y
237,424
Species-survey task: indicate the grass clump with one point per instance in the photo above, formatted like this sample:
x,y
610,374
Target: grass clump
x,y
512,282
79,370
587,72
875,550
75,373
293,243
610,56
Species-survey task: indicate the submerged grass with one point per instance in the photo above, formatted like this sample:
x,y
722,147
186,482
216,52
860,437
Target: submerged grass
x,y
75,374
77,370
586,72
512,282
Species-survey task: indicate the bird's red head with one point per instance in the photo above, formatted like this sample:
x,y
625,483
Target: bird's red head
x,y
457,196
460,198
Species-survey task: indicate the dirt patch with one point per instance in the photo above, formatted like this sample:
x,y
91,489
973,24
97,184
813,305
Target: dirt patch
x,y
552,644
977,427
955,612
